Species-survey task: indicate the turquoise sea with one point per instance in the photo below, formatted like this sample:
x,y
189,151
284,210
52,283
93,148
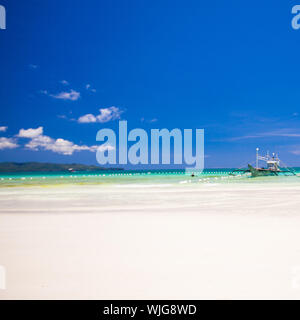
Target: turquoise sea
x,y
125,177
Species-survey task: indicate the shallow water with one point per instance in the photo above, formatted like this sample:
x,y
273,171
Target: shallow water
x,y
136,178
140,192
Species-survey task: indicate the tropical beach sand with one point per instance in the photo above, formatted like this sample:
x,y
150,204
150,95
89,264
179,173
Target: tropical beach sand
x,y
152,241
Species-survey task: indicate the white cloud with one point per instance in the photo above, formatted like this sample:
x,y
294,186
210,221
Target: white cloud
x,y
105,147
89,87
71,95
62,116
39,141
295,149
30,133
3,129
106,115
7,143
149,121
287,133
64,82
109,114
61,146
87,118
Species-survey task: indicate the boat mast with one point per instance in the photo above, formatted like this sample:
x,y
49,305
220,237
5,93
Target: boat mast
x,y
257,149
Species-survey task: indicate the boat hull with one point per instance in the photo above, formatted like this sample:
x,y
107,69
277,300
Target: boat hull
x,y
261,172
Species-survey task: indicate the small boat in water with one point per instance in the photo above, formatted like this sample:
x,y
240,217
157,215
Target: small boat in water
x,y
273,167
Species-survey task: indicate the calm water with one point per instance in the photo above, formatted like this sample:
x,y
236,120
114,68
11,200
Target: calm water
x,y
131,177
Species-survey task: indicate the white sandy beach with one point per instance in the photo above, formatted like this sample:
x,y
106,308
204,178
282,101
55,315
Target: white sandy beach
x,y
219,241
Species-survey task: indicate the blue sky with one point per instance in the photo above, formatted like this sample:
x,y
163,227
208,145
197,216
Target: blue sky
x,y
229,67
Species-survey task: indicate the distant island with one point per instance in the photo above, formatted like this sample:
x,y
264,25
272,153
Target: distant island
x,y
11,167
